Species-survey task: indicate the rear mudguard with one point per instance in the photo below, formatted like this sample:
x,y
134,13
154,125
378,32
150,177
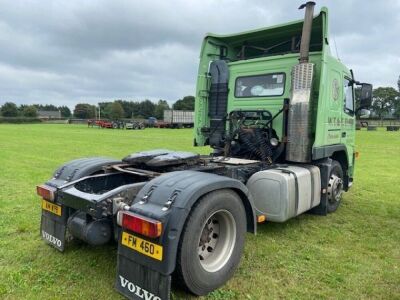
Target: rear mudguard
x,y
169,198
53,227
79,168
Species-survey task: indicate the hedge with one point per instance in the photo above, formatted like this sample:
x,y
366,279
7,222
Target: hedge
x,y
19,120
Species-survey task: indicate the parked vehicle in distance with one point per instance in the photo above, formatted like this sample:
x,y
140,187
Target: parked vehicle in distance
x,y
104,124
277,109
134,125
176,119
151,122
116,124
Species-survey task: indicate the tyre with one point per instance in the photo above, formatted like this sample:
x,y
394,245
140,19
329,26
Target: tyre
x,y
211,243
335,186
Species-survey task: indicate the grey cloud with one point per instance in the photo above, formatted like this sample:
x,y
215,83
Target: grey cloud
x,y
63,52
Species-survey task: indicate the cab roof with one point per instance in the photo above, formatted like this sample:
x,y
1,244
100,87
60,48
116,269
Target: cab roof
x,y
278,38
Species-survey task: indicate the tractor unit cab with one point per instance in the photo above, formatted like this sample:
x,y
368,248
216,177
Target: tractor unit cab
x,y
277,94
279,112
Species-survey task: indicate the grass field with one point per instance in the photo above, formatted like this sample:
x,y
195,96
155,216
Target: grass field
x,y
352,254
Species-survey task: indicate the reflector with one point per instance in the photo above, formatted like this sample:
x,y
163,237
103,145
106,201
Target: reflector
x,y
261,219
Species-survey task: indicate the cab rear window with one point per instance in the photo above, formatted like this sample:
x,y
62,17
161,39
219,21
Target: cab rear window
x,y
265,85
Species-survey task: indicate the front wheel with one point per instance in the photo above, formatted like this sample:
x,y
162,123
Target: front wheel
x,y
212,242
335,186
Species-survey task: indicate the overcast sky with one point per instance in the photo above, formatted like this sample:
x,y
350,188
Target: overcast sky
x,y
65,52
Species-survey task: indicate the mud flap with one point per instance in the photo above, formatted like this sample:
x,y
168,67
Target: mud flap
x,y
135,281
325,166
53,229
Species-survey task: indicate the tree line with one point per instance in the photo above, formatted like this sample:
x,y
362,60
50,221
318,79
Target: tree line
x,y
10,109
386,103
120,109
117,109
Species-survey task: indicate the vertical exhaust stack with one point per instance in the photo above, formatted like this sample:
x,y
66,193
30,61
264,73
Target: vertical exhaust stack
x,y
299,142
306,33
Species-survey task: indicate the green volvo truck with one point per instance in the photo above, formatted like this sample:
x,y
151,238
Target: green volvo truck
x,y
277,109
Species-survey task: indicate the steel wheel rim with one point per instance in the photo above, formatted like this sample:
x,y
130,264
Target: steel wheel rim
x,y
217,241
335,188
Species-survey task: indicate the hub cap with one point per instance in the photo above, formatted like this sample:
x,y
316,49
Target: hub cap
x,y
217,241
335,188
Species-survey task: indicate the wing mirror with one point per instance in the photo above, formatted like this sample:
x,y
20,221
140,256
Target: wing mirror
x,y
365,113
366,95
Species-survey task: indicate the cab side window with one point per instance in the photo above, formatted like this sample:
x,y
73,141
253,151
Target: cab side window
x,y
348,96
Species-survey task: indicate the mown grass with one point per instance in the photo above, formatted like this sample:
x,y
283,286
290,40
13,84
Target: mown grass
x,y
352,254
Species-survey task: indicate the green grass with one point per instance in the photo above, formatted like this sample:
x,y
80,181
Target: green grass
x,y
352,254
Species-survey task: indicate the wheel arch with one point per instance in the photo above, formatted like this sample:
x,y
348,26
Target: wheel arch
x,y
79,168
341,157
244,196
336,152
250,213
185,188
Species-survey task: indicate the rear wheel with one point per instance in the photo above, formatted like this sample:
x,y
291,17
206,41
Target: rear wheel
x,y
335,187
212,242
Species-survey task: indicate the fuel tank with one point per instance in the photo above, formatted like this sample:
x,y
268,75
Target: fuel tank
x,y
286,191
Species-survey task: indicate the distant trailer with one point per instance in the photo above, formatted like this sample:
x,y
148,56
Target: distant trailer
x,y
177,119
106,124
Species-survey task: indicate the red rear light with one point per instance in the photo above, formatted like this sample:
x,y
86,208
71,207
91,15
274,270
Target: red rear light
x,y
46,192
139,224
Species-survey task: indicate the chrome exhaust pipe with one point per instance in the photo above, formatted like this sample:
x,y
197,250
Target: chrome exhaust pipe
x,y
306,33
299,143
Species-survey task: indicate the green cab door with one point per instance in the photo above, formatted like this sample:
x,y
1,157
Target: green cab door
x,y
348,120
333,134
